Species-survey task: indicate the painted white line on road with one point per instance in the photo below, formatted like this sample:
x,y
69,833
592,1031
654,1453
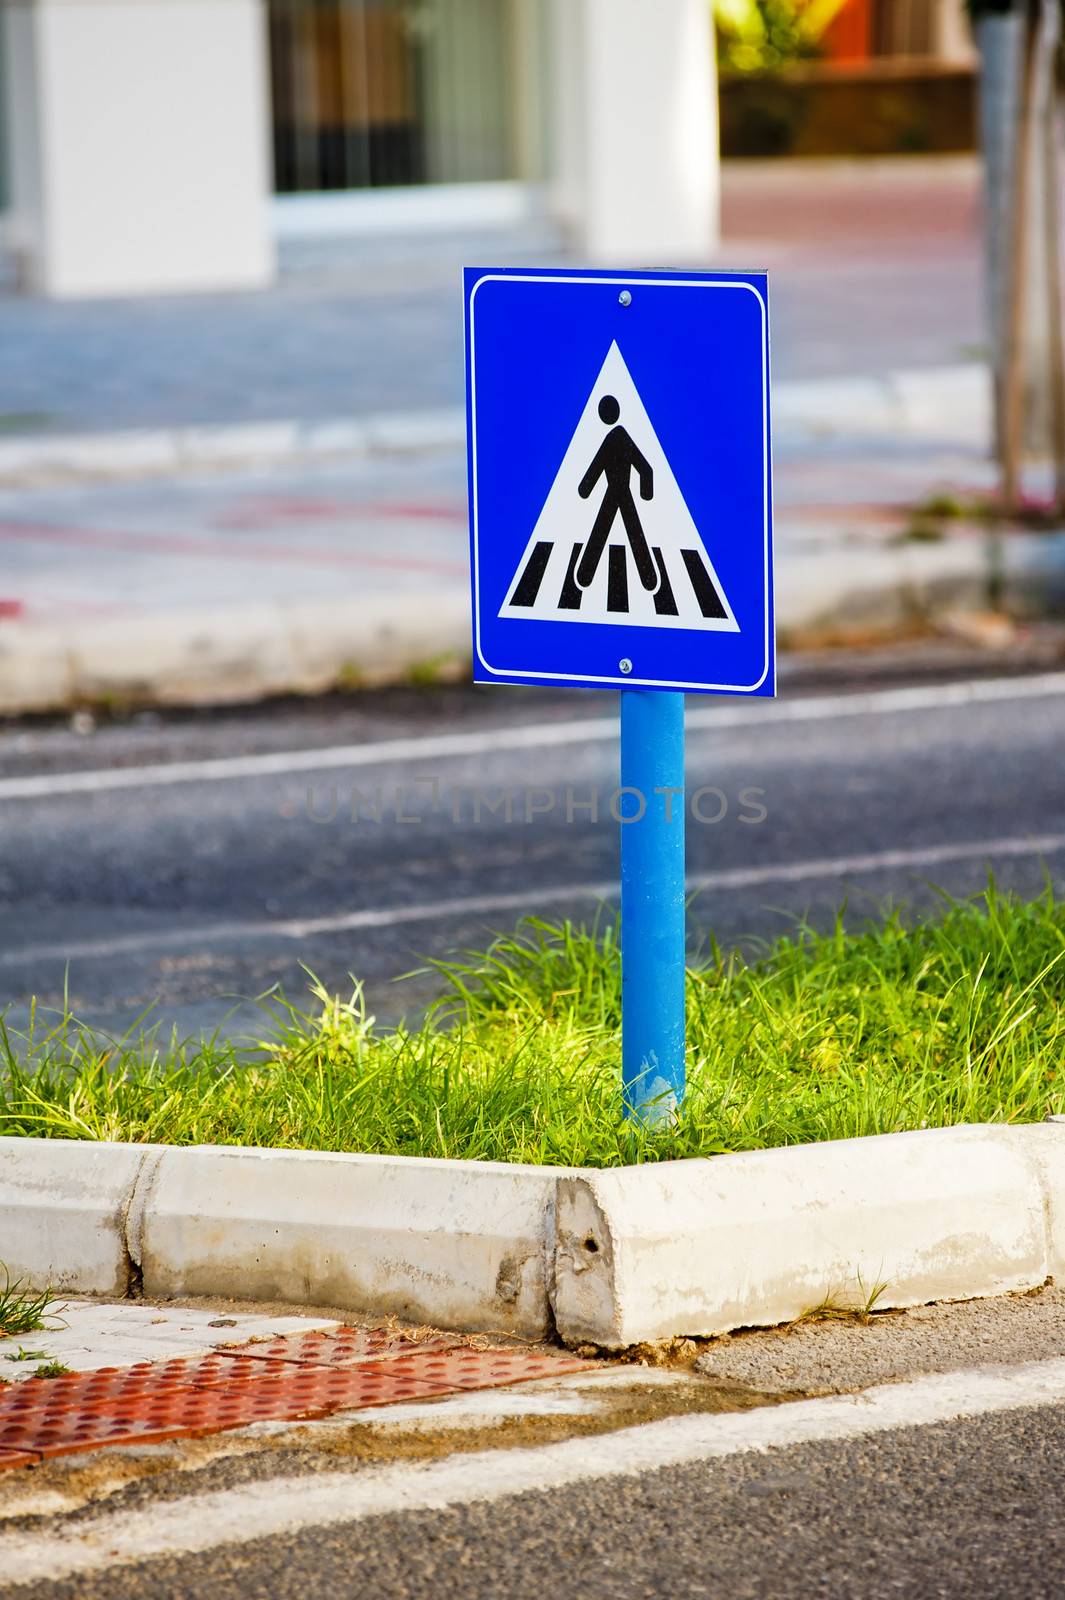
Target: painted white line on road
x,y
748,715
285,1506
530,899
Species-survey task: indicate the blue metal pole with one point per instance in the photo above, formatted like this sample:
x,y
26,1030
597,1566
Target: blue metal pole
x,y
652,902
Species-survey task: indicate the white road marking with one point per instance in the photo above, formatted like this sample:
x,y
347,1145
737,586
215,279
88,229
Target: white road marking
x,y
285,1506
746,714
531,899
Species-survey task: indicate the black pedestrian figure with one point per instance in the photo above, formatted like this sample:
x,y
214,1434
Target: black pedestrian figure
x,y
614,461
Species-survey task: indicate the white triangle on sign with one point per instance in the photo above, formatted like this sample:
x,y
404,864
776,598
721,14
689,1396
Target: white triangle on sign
x,y
646,565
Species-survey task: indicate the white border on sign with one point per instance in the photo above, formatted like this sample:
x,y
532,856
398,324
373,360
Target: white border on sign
x,y
622,282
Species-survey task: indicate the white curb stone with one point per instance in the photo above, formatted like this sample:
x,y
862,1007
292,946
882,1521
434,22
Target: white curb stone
x,y
948,404
951,405
414,432
954,402
1044,1146
612,1257
35,667
63,1206
461,1244
250,650
140,452
239,653
177,657
701,1247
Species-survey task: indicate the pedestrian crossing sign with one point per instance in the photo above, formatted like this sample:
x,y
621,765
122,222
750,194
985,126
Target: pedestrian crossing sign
x,y
619,479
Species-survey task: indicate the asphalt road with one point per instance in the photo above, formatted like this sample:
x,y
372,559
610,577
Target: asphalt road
x,y
971,1509
947,1485
178,881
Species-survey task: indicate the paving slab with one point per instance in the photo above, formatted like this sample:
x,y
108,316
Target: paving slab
x,y
294,518
875,265
88,1334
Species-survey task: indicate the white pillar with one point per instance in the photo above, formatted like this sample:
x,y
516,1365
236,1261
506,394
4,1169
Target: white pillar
x,y
636,146
138,136
953,39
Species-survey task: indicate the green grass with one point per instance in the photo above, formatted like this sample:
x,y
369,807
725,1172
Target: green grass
x,y
23,1310
51,1369
958,1017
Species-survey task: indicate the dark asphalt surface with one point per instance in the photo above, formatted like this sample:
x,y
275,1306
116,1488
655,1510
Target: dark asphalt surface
x,y
169,870
970,1509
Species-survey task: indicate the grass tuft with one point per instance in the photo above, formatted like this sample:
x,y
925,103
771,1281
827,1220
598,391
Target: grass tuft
x,y
22,1310
898,1024
861,1307
51,1369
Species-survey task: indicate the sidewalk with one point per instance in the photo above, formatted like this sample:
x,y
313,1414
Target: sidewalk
x,y
207,589
225,498
874,267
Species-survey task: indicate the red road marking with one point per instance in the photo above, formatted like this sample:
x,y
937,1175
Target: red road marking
x,y
191,545
254,513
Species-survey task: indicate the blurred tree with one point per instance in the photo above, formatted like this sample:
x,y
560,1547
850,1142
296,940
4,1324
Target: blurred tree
x,y
1019,41
758,35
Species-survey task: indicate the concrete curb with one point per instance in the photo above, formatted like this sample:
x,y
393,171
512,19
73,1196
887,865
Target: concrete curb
x,y
461,1244
701,1247
951,404
821,586
247,652
239,653
152,452
613,1258
63,1208
948,404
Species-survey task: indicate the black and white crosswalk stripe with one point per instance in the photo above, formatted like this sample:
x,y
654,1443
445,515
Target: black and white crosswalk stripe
x,y
690,575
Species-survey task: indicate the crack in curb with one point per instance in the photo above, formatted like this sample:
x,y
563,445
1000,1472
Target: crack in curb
x,y
131,1221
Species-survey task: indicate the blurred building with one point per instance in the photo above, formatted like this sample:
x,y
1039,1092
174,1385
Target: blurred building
x,y
891,77
154,145
374,95
901,29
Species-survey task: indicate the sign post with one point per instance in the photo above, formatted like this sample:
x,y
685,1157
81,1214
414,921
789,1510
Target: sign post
x,y
621,538
652,903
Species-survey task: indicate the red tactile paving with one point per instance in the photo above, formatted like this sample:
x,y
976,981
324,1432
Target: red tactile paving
x,y
325,1347
347,1370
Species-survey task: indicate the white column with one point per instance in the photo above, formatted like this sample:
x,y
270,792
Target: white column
x,y
138,133
953,40
636,147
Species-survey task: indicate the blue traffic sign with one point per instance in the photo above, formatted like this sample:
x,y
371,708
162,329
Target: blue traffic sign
x,y
619,479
